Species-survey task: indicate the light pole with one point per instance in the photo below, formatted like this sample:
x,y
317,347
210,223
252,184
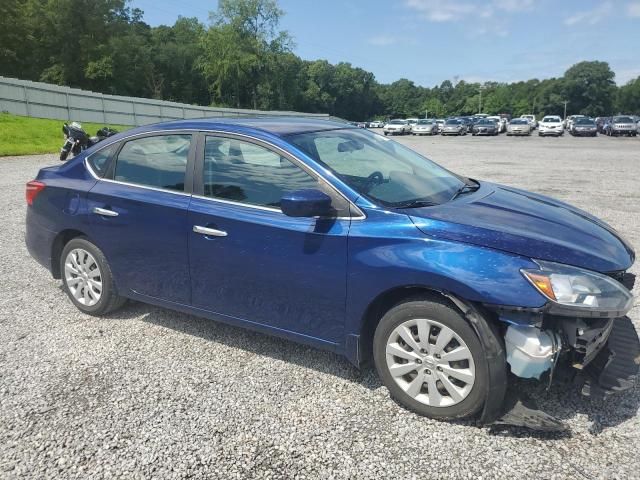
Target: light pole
x,y
480,89
565,109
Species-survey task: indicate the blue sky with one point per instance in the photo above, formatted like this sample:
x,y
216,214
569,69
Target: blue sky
x,y
429,41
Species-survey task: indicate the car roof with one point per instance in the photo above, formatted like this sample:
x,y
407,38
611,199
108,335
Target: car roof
x,y
279,126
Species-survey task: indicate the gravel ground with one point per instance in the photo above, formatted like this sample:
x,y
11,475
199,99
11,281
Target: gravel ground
x,y
150,393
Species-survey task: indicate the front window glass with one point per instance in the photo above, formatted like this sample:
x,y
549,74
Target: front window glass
x,y
397,122
248,173
623,120
452,122
159,161
585,121
551,119
379,168
425,122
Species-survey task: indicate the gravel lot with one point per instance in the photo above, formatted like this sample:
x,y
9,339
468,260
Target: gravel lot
x,y
149,393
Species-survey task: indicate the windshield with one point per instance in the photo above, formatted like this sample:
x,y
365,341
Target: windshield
x,y
584,121
519,121
622,120
485,122
452,122
379,168
425,122
397,122
551,120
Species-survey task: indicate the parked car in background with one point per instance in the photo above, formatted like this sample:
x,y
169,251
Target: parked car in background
x,y
602,124
454,126
622,125
468,122
519,126
440,122
425,127
485,126
532,120
398,126
334,237
551,125
502,123
584,127
376,124
570,120
412,122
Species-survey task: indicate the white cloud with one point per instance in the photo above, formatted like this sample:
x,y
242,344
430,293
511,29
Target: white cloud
x,y
590,17
633,9
514,5
442,11
382,40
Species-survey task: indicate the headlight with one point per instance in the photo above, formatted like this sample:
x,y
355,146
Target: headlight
x,y
575,287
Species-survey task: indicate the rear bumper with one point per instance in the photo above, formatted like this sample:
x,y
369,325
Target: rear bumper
x,y
39,241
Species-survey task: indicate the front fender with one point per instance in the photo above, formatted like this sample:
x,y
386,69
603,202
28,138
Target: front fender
x,y
387,251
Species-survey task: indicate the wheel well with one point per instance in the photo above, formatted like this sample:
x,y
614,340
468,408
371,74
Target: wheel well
x,y
58,245
381,305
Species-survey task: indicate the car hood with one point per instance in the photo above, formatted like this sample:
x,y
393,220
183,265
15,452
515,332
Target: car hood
x,y
527,224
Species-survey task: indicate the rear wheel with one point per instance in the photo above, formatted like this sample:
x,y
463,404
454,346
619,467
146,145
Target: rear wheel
x,y
87,278
431,360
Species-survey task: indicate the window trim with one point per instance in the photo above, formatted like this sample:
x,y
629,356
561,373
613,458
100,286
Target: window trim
x,y
188,177
355,212
195,168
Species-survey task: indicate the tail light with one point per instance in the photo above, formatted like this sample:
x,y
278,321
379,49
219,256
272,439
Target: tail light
x,y
33,189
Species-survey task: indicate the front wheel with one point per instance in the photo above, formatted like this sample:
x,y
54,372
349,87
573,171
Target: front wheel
x,y
87,278
431,360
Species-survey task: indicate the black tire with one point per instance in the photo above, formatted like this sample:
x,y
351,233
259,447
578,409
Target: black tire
x,y
109,298
441,312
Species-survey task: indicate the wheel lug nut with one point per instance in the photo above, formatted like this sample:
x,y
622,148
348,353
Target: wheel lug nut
x,y
437,355
422,350
427,371
439,369
418,361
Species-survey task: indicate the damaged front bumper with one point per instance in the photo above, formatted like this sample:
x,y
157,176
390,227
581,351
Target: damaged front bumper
x,y
599,351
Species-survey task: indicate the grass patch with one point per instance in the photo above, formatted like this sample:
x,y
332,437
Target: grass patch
x,y
28,136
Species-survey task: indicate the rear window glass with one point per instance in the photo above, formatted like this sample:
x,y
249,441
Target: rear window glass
x,y
99,161
159,161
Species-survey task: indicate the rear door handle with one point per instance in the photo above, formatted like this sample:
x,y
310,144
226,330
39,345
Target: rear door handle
x,y
211,232
104,212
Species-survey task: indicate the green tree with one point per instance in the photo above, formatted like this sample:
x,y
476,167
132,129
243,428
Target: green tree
x,y
589,88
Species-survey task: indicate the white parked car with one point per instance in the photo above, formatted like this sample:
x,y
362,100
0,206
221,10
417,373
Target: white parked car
x,y
440,122
532,120
376,124
500,122
398,126
519,126
425,126
412,121
551,125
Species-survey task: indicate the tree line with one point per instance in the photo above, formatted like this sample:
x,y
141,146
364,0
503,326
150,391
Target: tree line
x,y
243,59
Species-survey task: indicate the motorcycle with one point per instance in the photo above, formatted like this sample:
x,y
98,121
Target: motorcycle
x,y
77,140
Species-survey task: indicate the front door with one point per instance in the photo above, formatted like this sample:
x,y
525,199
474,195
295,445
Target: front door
x,y
251,262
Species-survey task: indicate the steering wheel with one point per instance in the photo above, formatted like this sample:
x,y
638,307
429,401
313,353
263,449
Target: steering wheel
x,y
376,178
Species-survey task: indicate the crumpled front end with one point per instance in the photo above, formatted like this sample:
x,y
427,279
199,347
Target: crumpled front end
x,y
598,350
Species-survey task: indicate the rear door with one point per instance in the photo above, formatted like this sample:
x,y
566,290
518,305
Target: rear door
x,y
251,262
139,215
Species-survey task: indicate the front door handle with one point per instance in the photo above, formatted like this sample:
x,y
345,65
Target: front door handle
x,y
104,212
210,232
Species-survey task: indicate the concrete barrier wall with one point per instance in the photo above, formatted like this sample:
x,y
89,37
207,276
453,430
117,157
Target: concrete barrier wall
x,y
42,100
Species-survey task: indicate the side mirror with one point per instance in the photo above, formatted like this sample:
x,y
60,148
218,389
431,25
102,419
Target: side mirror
x,y
306,203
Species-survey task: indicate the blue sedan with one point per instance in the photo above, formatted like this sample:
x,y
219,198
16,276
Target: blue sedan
x,y
342,239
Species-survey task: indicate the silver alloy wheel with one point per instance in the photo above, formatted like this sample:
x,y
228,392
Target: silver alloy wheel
x,y
82,276
430,362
